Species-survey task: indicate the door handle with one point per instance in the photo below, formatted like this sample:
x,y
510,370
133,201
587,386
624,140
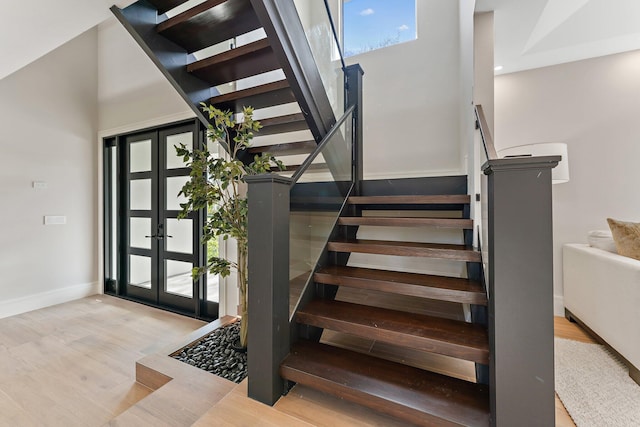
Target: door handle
x,y
149,237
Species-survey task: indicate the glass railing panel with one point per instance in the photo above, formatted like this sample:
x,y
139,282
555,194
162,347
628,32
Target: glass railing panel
x,y
325,48
316,201
482,219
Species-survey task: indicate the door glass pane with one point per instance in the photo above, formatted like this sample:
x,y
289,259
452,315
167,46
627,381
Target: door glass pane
x,y
138,229
140,271
213,287
140,195
174,185
181,232
213,280
173,160
179,279
140,153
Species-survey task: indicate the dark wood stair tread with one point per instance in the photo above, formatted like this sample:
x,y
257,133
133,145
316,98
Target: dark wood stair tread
x,y
441,288
209,23
164,6
282,124
312,167
411,394
235,64
415,249
261,96
407,222
410,199
427,333
288,149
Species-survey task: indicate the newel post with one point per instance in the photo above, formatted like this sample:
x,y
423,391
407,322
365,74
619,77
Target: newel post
x,y
521,290
268,286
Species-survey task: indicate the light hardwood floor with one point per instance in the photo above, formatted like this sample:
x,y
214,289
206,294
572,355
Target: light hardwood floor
x,y
73,365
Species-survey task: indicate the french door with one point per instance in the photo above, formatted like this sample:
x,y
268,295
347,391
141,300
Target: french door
x,y
155,250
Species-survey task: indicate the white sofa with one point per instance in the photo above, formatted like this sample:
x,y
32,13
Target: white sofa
x,y
602,291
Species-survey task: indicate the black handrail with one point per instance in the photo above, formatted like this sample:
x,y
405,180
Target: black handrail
x,y
487,140
305,165
335,35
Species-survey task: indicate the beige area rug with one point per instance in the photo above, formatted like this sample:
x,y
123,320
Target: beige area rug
x,y
594,386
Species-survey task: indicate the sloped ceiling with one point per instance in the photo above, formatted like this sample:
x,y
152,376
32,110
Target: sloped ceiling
x,y
30,29
528,33
537,33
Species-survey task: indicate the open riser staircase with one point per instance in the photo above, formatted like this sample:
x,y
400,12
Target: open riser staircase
x,y
236,53
415,395
246,68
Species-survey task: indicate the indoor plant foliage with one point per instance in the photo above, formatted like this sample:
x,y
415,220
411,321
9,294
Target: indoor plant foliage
x,y
216,185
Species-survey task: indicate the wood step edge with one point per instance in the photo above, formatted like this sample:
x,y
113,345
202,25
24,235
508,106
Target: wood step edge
x,y
452,338
165,6
412,249
452,289
251,91
407,393
289,148
411,199
285,119
462,223
188,14
237,52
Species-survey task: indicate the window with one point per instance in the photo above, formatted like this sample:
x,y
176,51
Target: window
x,y
374,24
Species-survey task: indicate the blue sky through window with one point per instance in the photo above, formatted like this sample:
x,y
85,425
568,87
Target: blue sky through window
x,y
372,24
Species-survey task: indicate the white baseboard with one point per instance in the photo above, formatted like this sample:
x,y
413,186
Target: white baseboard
x,y
558,305
32,302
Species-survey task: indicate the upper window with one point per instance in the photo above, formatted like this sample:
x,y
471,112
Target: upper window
x,y
374,24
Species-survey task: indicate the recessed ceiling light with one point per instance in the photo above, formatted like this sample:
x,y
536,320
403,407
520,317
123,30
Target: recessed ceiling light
x,y
498,68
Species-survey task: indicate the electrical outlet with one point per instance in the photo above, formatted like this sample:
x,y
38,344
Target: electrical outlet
x,y
39,185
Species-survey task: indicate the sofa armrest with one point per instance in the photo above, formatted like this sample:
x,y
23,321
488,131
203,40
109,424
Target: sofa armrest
x,y
602,289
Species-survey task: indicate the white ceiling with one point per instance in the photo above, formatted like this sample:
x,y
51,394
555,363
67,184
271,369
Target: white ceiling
x,y
31,28
537,33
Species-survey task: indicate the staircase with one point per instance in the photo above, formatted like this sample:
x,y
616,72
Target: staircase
x,y
258,73
276,73
409,393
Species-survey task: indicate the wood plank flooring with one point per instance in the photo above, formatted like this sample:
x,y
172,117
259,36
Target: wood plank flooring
x,y
74,365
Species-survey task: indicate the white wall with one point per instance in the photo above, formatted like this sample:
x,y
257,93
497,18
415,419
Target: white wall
x,y
593,106
29,29
48,128
412,99
132,92
483,86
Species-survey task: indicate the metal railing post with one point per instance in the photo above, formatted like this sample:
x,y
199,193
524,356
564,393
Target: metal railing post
x,y
354,97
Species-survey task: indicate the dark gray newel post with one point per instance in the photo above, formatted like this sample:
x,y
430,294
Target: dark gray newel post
x,y
268,285
521,290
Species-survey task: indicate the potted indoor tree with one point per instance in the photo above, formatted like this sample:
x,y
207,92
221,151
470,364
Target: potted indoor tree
x,y
217,185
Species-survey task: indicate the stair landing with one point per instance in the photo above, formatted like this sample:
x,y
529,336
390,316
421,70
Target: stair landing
x,y
184,396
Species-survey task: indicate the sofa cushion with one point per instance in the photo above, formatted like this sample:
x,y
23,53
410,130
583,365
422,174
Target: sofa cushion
x,y
602,239
627,237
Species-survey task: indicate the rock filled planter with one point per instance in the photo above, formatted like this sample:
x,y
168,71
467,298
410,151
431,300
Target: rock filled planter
x,y
216,353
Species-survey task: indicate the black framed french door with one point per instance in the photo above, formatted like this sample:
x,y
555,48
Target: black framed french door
x,y
156,251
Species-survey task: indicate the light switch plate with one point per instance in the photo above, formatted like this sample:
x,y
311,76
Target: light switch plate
x,y
55,220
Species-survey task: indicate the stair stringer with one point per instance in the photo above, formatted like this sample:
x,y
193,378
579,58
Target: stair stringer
x,y
140,20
